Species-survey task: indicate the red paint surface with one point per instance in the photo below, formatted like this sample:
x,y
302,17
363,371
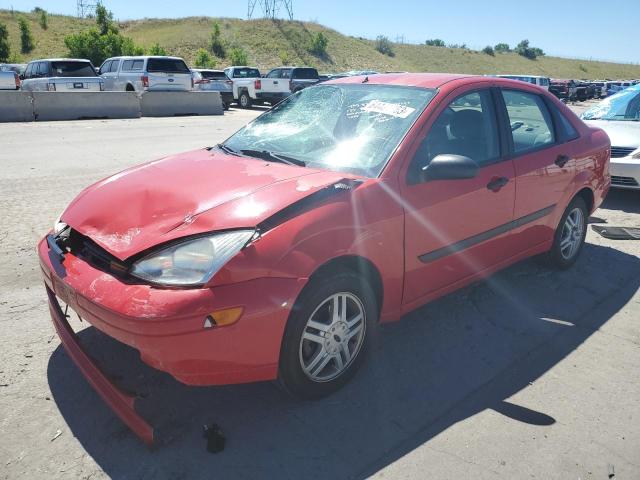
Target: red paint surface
x,y
384,220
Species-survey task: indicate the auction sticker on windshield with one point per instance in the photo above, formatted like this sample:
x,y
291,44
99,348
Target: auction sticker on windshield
x,y
393,109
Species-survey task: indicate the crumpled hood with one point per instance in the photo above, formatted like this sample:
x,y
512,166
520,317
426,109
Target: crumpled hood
x,y
186,194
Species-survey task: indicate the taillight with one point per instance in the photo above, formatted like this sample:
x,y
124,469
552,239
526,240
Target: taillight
x,y
145,81
257,84
51,87
17,78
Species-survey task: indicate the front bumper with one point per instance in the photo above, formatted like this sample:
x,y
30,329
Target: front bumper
x,y
625,173
167,327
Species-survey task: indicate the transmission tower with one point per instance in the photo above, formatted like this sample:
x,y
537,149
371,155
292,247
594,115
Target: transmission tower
x,y
87,8
270,8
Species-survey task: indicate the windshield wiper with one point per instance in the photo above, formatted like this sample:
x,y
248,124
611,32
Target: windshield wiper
x,y
274,157
229,150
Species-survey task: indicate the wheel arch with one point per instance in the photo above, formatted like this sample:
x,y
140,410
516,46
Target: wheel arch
x,y
587,195
359,265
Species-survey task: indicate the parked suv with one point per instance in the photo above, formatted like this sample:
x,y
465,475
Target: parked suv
x,y
564,89
542,82
61,75
214,80
147,73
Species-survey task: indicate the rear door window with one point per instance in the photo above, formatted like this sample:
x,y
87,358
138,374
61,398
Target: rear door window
x,y
43,69
29,71
530,120
167,65
72,69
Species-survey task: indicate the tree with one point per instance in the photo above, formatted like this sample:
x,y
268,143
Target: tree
x,y
5,50
434,42
318,45
217,44
502,48
26,39
102,41
238,57
384,46
526,51
156,49
204,59
43,19
284,57
488,50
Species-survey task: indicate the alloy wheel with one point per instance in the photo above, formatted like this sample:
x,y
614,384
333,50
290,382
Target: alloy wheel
x,y
332,337
572,233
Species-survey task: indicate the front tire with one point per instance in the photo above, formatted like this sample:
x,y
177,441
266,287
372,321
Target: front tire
x,y
327,335
570,235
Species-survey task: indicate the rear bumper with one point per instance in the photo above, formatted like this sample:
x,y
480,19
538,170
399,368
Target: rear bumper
x,y
625,173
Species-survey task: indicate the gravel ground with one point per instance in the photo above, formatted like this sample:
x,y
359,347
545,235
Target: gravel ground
x,y
531,373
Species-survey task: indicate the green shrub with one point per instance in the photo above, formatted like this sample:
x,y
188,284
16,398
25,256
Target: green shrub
x,y
216,44
156,49
204,59
284,57
238,57
26,39
5,49
384,46
488,50
43,19
526,51
502,48
435,42
318,45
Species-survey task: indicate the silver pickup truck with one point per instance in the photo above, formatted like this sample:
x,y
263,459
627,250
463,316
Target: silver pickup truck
x,y
146,73
9,80
61,75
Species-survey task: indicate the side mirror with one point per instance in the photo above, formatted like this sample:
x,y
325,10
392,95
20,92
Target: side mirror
x,y
21,76
450,167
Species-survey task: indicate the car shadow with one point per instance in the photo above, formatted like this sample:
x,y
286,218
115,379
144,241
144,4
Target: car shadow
x,y
622,199
456,357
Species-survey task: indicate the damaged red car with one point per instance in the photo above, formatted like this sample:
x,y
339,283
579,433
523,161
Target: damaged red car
x,y
276,254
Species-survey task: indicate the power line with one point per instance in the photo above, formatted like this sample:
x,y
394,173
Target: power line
x,y
87,8
270,8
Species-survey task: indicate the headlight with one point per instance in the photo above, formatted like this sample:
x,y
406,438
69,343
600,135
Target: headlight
x,y
58,226
191,262
637,154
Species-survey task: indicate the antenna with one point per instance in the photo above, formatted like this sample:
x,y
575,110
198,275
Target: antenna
x,y
270,8
87,8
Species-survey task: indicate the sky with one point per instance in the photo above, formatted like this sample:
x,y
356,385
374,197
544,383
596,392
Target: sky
x,y
585,29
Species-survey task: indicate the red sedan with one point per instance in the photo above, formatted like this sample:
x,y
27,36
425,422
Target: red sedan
x,y
276,254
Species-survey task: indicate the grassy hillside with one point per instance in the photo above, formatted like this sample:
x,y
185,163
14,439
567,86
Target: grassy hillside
x,y
268,42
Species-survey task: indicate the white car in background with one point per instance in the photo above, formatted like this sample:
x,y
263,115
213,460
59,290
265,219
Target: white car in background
x,y
542,82
207,80
619,116
146,73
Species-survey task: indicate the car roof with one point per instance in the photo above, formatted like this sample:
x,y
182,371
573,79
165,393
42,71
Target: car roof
x,y
61,60
424,80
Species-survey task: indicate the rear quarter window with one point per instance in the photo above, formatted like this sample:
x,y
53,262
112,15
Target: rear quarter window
x,y
167,65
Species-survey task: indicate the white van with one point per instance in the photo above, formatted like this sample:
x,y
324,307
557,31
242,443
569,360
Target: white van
x,y
139,74
534,79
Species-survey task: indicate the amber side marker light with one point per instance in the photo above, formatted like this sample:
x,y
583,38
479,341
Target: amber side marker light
x,y
223,318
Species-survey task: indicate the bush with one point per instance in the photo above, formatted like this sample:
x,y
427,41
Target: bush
x,y
318,45
284,57
457,45
384,46
101,42
5,50
156,49
204,59
502,48
238,57
26,39
526,51
488,50
435,42
216,44
43,19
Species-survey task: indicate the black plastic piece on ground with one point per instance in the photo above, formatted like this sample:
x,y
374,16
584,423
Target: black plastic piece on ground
x,y
215,438
617,233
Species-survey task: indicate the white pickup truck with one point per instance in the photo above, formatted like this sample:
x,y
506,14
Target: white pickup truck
x,y
250,88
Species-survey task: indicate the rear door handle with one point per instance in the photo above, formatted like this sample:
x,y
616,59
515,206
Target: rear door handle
x,y
562,160
497,183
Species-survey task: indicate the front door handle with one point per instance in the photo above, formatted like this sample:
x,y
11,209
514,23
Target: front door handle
x,y
497,183
562,160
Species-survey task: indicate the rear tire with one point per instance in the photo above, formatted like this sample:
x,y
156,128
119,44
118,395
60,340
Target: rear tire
x,y
569,237
245,100
322,350
130,88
